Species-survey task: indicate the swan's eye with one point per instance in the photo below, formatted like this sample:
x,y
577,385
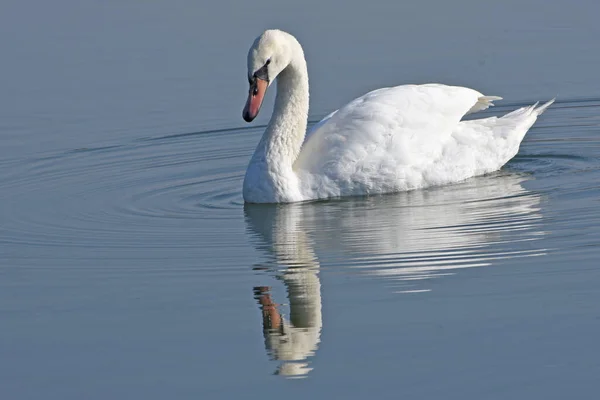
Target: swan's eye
x,y
268,61
255,90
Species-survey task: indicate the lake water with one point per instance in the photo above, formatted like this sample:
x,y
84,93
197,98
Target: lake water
x,y
131,268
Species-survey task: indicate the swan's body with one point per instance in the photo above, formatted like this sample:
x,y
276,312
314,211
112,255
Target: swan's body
x,y
392,139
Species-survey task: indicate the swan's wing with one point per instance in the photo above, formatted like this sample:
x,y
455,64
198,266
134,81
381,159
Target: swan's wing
x,y
409,124
365,145
318,125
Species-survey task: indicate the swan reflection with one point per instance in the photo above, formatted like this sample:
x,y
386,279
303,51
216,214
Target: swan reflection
x,y
291,341
406,238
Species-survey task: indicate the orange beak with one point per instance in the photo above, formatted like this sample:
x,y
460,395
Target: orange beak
x,y
258,88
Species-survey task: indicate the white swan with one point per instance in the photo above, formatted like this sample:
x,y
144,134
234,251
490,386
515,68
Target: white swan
x,y
392,139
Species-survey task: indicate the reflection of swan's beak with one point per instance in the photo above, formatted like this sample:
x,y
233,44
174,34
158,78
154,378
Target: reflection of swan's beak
x,y
258,88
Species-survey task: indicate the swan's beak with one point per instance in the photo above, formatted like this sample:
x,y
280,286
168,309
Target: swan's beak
x,y
258,88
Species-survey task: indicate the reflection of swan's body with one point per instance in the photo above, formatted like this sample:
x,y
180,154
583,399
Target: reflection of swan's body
x,y
419,235
406,238
389,140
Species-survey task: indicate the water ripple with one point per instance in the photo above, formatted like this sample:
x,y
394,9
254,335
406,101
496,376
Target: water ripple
x,y
164,194
124,195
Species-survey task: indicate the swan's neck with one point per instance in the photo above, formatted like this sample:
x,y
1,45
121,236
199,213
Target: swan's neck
x,y
284,135
281,143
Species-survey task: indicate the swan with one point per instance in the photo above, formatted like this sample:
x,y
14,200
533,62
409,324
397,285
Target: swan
x,y
388,140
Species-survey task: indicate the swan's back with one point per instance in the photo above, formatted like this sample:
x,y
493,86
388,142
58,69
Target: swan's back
x,y
406,137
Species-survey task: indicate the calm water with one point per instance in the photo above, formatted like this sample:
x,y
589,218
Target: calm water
x,y
130,267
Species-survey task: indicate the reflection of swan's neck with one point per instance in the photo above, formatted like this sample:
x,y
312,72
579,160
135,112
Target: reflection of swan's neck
x,y
280,144
295,338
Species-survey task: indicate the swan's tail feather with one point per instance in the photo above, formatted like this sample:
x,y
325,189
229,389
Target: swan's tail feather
x,y
497,140
490,98
543,107
532,110
483,103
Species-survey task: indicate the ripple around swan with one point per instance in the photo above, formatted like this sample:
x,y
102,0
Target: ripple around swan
x,y
163,194
125,195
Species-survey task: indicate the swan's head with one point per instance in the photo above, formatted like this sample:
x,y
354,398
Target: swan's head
x,y
270,54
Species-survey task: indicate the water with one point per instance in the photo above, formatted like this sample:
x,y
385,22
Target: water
x,y
132,269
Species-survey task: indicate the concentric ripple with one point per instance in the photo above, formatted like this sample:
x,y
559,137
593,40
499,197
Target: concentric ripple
x,y
179,196
160,193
